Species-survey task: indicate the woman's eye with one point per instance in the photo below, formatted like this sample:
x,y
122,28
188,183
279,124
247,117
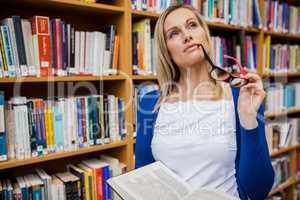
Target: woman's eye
x,y
173,33
193,24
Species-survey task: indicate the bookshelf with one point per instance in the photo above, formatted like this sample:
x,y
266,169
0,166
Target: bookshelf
x,y
90,16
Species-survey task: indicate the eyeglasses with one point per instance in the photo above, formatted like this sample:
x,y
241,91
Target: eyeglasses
x,y
230,74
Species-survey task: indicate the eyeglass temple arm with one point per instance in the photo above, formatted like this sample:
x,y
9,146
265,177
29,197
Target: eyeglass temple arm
x,y
243,71
207,56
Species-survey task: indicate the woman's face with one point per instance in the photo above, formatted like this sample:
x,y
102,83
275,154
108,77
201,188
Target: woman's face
x,y
183,35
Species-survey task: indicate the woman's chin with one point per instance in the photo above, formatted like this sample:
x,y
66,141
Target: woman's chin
x,y
193,60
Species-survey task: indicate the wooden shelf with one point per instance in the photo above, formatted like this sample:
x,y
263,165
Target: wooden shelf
x,y
220,25
284,150
54,156
138,13
281,74
291,181
142,77
216,25
74,4
282,114
283,35
61,79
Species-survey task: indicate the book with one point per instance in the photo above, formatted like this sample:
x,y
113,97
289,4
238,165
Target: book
x,y
158,182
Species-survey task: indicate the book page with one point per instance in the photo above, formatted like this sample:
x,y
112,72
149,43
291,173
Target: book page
x,y
153,181
203,194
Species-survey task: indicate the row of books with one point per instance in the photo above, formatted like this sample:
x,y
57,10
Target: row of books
x,y
83,181
238,12
159,6
281,168
36,127
282,97
241,47
46,47
142,48
282,134
139,91
280,57
281,17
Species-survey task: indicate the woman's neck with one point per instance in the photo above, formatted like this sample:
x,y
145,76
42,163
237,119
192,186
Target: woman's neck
x,y
195,82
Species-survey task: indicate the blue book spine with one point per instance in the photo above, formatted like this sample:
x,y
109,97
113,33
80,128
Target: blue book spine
x,y
272,59
289,96
24,192
58,127
254,54
37,193
80,120
43,128
105,186
8,50
3,141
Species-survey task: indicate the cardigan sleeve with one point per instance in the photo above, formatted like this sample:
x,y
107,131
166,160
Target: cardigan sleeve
x,y
145,126
255,169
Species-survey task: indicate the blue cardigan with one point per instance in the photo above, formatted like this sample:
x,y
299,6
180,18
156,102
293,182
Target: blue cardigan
x,y
254,172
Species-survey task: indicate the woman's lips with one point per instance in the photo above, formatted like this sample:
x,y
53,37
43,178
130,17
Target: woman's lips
x,y
191,48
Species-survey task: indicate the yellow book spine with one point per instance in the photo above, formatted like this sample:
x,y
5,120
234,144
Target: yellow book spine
x,y
3,53
268,44
46,115
86,185
51,132
94,191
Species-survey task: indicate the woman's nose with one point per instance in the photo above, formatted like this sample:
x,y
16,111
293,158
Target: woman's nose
x,y
187,36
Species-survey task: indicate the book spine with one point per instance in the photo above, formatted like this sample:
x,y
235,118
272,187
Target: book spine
x,y
105,186
83,112
32,128
3,139
79,121
3,57
99,184
20,45
40,30
8,51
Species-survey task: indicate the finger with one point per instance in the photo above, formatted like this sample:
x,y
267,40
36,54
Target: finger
x,y
255,89
251,76
253,86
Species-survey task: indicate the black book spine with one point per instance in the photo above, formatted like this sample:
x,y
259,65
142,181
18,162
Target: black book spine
x,y
19,40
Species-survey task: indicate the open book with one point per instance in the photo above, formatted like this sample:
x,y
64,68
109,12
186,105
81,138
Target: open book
x,y
156,181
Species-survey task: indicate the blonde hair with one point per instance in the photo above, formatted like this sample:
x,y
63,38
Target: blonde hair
x,y
167,71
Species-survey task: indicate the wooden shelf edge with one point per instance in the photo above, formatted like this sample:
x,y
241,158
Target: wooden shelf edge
x,y
60,78
289,182
79,4
209,23
231,27
53,156
283,35
140,13
142,77
281,114
281,74
284,150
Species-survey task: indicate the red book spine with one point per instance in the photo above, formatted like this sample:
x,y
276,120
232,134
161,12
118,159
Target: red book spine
x,y
58,45
99,184
40,28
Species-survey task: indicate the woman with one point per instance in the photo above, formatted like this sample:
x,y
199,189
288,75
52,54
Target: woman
x,y
207,132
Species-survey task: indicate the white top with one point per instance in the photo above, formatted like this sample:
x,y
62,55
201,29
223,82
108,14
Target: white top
x,y
197,141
